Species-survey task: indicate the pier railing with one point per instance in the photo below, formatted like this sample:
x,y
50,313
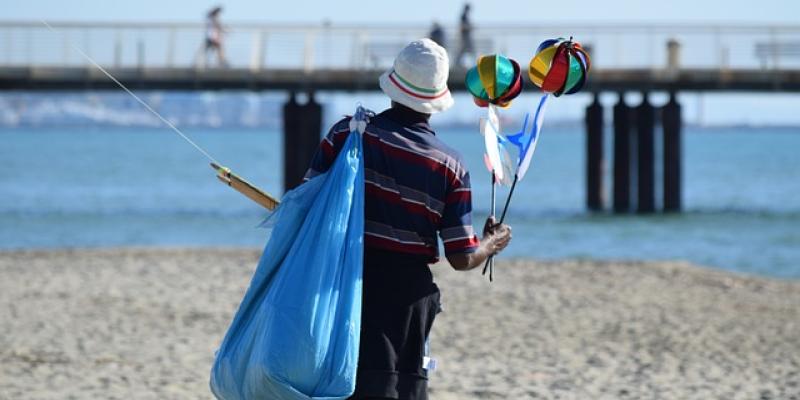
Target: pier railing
x,y
328,46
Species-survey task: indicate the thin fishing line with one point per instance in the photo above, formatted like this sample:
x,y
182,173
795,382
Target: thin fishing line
x,y
142,102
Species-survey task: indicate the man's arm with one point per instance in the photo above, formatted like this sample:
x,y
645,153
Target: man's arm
x,y
495,239
328,149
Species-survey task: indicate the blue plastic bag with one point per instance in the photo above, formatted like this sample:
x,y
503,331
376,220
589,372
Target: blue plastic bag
x,y
296,333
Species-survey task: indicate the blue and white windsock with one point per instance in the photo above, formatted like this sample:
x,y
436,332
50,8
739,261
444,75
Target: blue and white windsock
x,y
527,143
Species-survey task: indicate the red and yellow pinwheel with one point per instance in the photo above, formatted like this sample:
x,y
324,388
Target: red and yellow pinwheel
x,y
559,67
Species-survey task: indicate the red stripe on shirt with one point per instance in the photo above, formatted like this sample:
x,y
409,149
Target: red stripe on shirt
x,y
462,245
387,244
461,196
328,151
395,198
410,156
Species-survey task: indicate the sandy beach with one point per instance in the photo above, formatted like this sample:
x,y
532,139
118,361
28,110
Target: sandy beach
x,y
144,323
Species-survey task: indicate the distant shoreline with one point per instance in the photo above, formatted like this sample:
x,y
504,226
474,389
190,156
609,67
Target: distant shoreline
x,y
554,125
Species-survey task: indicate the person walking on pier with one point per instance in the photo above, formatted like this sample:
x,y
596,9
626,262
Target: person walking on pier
x,y
466,46
213,42
415,188
437,34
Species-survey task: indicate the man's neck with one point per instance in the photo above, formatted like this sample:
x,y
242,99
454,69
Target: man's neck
x,y
408,110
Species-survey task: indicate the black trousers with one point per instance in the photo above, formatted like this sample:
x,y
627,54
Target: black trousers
x,y
400,302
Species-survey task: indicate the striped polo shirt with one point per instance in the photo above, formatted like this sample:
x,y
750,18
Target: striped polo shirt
x,y
415,186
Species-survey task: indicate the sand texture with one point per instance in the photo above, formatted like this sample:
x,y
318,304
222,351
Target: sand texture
x,y
144,323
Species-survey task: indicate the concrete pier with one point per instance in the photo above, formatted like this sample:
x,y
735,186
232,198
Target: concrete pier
x,y
302,125
594,156
622,156
645,160
671,121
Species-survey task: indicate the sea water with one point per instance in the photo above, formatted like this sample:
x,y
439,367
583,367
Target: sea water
x,y
98,187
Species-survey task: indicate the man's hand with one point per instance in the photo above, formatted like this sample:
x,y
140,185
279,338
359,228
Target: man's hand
x,y
495,238
489,225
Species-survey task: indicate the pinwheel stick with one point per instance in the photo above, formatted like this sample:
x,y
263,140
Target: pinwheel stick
x,y
493,206
508,199
490,261
494,182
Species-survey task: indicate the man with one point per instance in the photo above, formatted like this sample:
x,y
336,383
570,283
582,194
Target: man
x,y
415,187
465,28
214,32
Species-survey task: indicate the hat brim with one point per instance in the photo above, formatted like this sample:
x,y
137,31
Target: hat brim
x,y
427,106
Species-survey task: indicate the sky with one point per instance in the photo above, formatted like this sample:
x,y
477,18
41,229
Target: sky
x,y
411,11
708,108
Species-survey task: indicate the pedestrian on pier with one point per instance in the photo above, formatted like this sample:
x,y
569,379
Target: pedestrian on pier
x,y
213,42
437,34
466,45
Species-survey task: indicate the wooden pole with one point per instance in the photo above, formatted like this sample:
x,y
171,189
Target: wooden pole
x,y
244,187
291,129
671,120
312,130
645,129
622,157
302,125
594,155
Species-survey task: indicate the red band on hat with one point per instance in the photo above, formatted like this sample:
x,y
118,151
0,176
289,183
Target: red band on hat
x,y
410,93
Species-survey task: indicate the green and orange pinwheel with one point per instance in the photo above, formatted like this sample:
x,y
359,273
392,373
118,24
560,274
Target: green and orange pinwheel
x,y
496,79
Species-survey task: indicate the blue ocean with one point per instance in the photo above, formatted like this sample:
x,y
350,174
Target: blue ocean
x,y
98,187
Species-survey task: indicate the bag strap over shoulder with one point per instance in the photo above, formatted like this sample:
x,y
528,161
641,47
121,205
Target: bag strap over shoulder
x,y
360,120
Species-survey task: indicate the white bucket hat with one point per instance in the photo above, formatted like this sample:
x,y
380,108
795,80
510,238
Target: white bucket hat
x,y
418,79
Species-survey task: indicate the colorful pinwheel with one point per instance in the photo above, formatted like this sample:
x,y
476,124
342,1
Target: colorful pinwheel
x,y
559,67
496,79
494,82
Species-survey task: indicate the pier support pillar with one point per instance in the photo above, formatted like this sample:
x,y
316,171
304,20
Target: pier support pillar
x,y
302,124
645,129
594,155
622,156
671,121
